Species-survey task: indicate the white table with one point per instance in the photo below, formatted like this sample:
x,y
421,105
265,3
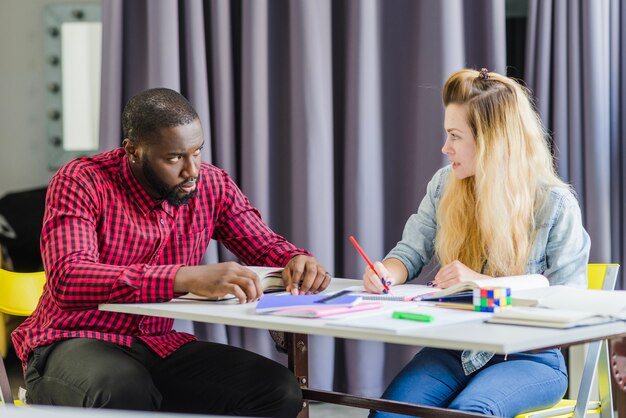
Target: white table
x,y
474,334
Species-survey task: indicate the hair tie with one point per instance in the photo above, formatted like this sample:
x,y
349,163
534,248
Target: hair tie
x,y
483,74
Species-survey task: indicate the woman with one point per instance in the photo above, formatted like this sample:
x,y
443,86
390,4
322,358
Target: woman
x,y
498,209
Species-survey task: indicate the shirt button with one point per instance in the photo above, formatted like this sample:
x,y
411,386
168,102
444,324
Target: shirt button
x,y
162,221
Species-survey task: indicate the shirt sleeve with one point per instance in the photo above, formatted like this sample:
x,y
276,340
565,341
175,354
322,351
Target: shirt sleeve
x,y
416,248
69,245
567,249
241,229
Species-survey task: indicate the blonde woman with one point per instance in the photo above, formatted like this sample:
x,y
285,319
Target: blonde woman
x,y
498,209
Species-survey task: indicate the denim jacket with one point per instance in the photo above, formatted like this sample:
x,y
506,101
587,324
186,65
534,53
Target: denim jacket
x,y
560,250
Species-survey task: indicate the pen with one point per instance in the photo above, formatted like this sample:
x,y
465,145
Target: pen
x,y
412,316
334,296
367,260
452,305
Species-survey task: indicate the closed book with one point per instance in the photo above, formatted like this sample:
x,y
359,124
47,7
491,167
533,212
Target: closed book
x,y
549,318
565,307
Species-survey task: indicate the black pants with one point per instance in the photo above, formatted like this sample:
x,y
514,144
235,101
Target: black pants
x,y
199,377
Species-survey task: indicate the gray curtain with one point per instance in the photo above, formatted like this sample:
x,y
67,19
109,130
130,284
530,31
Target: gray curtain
x,y
575,65
327,114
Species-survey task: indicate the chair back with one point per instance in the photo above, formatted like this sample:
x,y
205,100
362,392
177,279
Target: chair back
x,y
596,361
19,295
20,292
602,276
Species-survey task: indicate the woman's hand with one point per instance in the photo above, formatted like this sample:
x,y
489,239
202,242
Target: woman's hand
x,y
455,272
372,281
391,270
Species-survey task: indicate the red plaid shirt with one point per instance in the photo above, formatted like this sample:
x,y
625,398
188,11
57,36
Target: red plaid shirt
x,y
104,240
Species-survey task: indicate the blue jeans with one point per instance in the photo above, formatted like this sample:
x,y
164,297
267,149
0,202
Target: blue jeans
x,y
522,382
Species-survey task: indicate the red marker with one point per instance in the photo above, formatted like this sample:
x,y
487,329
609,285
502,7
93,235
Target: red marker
x,y
367,260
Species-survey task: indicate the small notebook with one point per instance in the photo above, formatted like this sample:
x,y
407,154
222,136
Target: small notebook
x,y
323,311
270,303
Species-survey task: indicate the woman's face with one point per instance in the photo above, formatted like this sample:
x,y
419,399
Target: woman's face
x,y
460,145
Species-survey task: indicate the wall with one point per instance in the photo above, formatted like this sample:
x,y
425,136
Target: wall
x,y
23,159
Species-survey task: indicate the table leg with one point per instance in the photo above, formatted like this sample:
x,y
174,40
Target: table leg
x,y
297,352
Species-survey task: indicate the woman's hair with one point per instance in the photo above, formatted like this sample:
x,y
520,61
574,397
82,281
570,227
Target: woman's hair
x,y
486,221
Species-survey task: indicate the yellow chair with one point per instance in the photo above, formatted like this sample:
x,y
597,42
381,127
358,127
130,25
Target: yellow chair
x,y
19,295
604,277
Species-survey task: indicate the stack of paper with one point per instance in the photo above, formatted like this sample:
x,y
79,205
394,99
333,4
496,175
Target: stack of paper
x,y
564,307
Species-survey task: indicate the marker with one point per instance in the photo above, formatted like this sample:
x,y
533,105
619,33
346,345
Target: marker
x,y
411,316
367,260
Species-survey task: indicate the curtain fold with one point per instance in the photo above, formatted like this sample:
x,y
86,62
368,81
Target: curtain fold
x,y
327,114
575,68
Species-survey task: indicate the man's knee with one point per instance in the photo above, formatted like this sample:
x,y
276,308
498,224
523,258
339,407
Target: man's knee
x,y
284,397
123,390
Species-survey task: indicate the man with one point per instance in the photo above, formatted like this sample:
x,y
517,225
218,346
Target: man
x,y
132,225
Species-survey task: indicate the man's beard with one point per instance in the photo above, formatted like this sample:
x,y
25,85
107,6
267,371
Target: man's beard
x,y
163,190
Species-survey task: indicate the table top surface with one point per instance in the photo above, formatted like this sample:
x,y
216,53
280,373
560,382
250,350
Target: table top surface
x,y
472,333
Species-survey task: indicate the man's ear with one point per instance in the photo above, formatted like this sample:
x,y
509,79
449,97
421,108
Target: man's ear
x,y
131,150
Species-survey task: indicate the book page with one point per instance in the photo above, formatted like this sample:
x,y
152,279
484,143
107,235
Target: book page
x,y
271,278
266,271
526,281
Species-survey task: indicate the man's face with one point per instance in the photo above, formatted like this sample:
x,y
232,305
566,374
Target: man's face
x,y
168,166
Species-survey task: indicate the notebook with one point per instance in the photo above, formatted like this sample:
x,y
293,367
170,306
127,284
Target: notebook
x,y
323,311
275,302
565,307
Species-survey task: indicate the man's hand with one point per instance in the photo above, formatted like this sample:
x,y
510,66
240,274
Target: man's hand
x,y
454,273
217,280
304,274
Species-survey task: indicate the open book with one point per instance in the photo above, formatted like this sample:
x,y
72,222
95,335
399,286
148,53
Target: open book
x,y
271,281
516,283
565,307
